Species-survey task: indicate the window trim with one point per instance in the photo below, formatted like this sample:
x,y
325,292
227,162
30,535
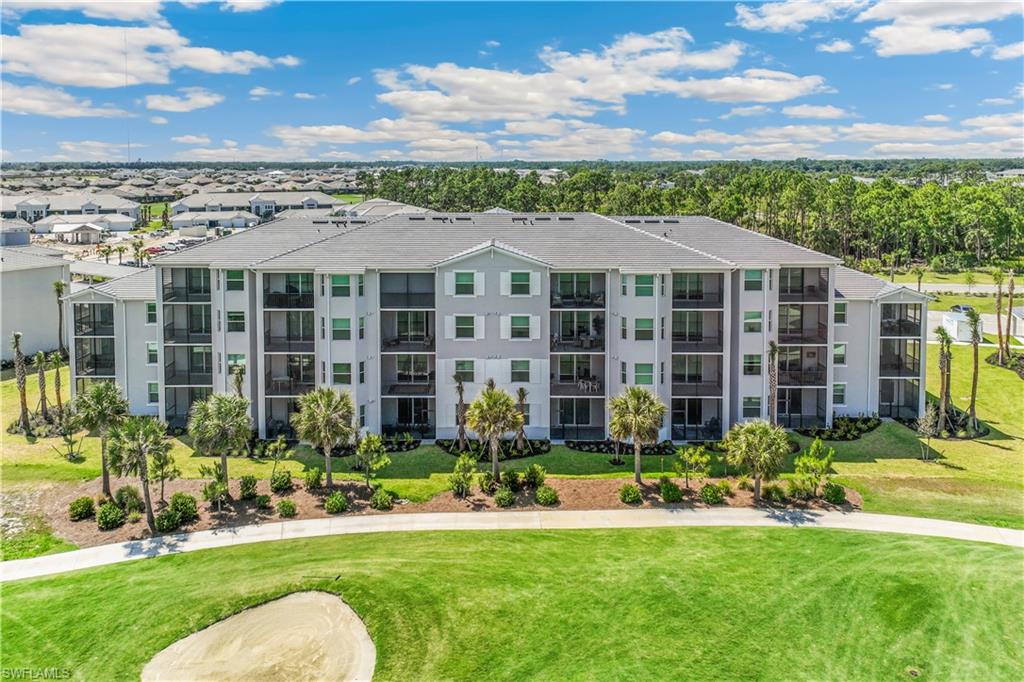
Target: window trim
x,y
336,373
472,327
846,349
342,329
637,373
759,321
344,283
156,347
512,328
471,370
760,364
228,280
512,371
456,283
227,320
743,406
156,318
834,384
149,394
512,283
637,285
637,330
747,281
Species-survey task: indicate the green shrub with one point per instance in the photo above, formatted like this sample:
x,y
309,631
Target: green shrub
x,y
534,476
247,487
80,509
287,509
313,478
546,496
670,492
281,482
336,503
129,499
744,483
505,497
134,517
185,506
799,489
834,493
263,501
512,480
725,488
487,483
773,492
381,500
109,516
167,521
711,494
630,493
461,478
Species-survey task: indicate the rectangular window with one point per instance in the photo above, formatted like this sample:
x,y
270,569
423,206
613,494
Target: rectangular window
x,y
625,327
153,392
643,374
526,414
464,370
465,327
752,365
362,416
520,326
464,283
360,288
839,314
643,285
839,354
150,313
362,327
643,329
661,374
625,284
752,406
362,372
236,321
152,350
236,360
838,394
622,373
752,321
341,329
235,280
521,371
519,284
341,373
753,280
341,286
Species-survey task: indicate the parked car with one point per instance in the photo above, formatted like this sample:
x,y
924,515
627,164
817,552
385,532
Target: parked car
x,y
960,308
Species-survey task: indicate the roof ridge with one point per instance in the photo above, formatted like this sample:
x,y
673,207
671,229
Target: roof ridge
x,y
666,239
351,229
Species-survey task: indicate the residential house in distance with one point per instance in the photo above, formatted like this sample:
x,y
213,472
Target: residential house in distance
x,y
27,300
573,307
34,207
261,204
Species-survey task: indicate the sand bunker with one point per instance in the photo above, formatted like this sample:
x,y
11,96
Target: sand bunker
x,y
304,636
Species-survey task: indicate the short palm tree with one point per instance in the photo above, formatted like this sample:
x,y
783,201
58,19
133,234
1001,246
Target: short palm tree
x,y
521,441
460,414
59,287
918,272
491,415
636,414
238,379
120,249
974,324
101,407
105,250
221,422
21,379
945,353
759,446
40,361
1009,312
997,279
132,442
56,362
773,381
324,420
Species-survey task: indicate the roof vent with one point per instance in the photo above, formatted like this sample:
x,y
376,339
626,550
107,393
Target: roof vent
x,y
417,217
462,217
542,217
566,218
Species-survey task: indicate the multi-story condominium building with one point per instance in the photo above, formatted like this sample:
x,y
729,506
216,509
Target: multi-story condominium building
x,y
36,206
258,203
571,307
27,303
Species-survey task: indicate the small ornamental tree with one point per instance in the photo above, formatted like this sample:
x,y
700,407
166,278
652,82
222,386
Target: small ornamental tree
x,y
815,464
371,456
760,447
927,426
692,461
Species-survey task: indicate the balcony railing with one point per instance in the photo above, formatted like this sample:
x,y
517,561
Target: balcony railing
x,y
287,386
95,366
273,299
801,421
576,432
407,300
409,388
421,431
899,367
687,300
809,293
817,334
901,328
690,389
898,411
408,344
94,328
174,377
279,427
186,295
174,334
288,344
804,377
576,344
568,301
710,430
591,387
691,344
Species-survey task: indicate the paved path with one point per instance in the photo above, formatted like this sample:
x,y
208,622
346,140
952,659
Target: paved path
x,y
957,288
988,324
103,555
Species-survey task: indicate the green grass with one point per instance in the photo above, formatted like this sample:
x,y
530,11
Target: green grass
x,y
155,222
705,603
932,277
349,198
983,304
35,540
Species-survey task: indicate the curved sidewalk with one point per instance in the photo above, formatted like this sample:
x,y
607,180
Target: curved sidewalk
x,y
103,555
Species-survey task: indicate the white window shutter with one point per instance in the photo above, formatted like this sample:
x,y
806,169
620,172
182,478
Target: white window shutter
x,y
478,326
534,284
506,327
476,372
449,327
535,367
534,326
449,284
478,283
506,372
506,283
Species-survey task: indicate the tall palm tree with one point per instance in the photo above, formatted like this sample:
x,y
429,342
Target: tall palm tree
x,y
101,408
460,414
105,250
997,279
120,249
59,287
918,272
636,414
521,441
132,442
324,419
221,422
20,378
759,446
974,324
945,344
56,362
40,361
773,381
1009,311
237,378
492,415
138,251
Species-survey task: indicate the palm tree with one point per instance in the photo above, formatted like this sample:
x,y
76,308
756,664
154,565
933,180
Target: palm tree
x,y
138,251
636,414
40,361
759,446
460,414
945,345
19,374
59,287
970,280
221,422
237,378
521,440
918,272
773,381
997,279
974,324
324,419
56,362
105,250
1009,312
120,249
132,442
102,407
492,415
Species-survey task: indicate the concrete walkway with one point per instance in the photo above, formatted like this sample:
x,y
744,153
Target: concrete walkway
x,y
103,555
956,288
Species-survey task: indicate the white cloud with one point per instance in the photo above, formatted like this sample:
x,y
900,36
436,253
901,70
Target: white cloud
x,y
158,120
248,5
776,150
492,44
755,110
1008,125
121,10
193,98
912,39
304,95
40,100
584,142
1002,149
288,60
943,86
793,15
90,55
816,111
766,135
547,127
89,150
249,152
1011,51
353,80
191,139
259,92
935,118
997,101
379,130
699,137
933,27
835,46
888,132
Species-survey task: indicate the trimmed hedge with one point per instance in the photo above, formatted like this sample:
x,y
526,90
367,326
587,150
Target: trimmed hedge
x,y
843,428
665,448
81,509
506,448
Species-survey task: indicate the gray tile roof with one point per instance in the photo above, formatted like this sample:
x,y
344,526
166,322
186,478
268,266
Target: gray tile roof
x,y
242,199
855,285
138,286
12,259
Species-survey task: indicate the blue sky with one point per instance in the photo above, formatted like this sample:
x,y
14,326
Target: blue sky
x,y
263,80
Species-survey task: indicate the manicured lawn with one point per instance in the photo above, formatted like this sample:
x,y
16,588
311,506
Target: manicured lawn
x,y
707,603
983,304
349,198
931,277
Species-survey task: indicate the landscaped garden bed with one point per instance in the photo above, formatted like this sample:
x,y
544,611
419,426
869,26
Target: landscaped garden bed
x,y
507,447
843,428
611,447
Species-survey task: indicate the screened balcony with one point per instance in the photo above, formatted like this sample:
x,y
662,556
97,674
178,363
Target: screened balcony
x,y
577,419
407,331
696,419
802,366
802,408
188,366
696,331
578,375
899,358
803,285
186,285
408,415
697,290
178,403
901,319
288,290
278,412
187,324
899,398
289,375
94,319
577,330
412,375
94,357
803,324
697,375
289,331
407,290
579,290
